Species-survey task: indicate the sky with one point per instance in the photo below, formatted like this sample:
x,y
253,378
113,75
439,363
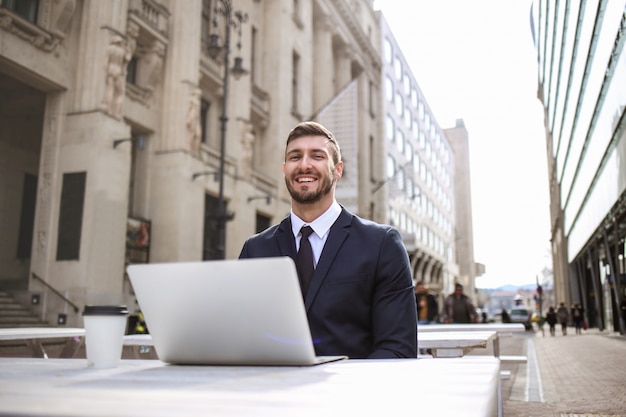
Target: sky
x,y
476,61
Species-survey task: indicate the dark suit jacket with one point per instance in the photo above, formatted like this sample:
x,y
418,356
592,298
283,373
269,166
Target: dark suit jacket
x,y
360,302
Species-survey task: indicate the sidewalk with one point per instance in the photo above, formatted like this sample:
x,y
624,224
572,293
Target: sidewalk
x,y
569,376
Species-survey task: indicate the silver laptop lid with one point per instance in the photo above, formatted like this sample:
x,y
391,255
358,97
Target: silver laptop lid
x,y
230,312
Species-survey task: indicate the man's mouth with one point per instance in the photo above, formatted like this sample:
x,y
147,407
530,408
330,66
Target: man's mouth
x,y
304,180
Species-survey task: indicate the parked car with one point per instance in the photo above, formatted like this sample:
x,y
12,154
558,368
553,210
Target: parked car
x,y
521,315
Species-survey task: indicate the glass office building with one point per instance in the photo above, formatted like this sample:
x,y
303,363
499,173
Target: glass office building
x,y
582,85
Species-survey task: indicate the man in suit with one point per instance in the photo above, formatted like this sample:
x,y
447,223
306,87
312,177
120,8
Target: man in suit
x,y
360,300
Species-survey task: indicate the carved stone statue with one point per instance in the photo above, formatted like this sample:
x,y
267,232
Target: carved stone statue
x,y
119,53
247,152
194,128
150,66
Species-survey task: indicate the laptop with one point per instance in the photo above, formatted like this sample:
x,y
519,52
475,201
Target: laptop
x,y
226,312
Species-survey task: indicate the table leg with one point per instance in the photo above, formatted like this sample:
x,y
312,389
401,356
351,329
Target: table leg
x,y
37,348
70,348
496,346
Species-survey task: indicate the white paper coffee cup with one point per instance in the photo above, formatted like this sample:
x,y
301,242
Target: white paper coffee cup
x,y
104,333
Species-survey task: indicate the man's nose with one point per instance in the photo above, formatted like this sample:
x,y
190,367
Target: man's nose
x,y
305,161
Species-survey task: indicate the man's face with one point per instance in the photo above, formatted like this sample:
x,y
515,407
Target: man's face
x,y
421,289
310,173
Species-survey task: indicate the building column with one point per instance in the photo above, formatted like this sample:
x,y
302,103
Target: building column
x,y
323,89
177,225
343,66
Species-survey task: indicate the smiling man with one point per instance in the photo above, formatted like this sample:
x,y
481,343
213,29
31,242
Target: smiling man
x,y
359,299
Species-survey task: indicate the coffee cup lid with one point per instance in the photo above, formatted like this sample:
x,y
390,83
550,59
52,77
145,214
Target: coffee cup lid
x,y
103,310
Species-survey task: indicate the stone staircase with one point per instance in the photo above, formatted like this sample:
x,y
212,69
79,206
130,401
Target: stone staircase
x,y
14,314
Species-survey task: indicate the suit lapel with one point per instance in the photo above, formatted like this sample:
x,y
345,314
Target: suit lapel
x,y
339,232
285,240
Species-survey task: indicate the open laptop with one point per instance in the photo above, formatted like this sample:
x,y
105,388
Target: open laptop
x,y
227,312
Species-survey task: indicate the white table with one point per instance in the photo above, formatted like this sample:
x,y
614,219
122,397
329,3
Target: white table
x,y
443,344
33,335
138,340
503,329
464,386
456,344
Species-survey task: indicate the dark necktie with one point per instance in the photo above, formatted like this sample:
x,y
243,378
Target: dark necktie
x,y
305,260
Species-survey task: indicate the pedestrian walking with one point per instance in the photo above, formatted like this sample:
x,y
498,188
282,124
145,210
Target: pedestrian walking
x,y
578,317
427,306
563,317
552,320
506,318
458,308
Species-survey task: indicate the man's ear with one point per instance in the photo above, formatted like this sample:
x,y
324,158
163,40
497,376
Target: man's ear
x,y
339,170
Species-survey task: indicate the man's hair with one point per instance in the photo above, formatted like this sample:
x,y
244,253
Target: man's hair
x,y
458,286
420,283
316,129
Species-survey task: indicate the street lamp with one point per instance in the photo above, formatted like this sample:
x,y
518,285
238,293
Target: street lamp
x,y
232,19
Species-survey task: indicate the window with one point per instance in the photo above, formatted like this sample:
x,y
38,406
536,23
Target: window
x,y
372,99
408,117
131,71
388,51
27,218
253,54
262,222
416,163
414,99
398,68
71,216
210,237
137,143
25,8
407,85
390,128
389,89
400,141
391,166
205,30
400,179
204,119
399,104
408,151
410,188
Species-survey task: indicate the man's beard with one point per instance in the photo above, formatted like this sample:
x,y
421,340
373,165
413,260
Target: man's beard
x,y
309,197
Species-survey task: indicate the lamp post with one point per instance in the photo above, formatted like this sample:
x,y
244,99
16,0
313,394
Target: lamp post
x,y
232,19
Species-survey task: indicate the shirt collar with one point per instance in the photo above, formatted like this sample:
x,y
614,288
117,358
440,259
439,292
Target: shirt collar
x,y
321,225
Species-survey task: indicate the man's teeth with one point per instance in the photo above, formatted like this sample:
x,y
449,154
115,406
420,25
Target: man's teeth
x,y
305,180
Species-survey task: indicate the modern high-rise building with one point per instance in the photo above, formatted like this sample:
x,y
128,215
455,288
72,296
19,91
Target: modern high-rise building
x,y
421,184
582,85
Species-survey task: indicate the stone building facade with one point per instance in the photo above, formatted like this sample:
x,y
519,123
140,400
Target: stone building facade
x,y
111,131
125,137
